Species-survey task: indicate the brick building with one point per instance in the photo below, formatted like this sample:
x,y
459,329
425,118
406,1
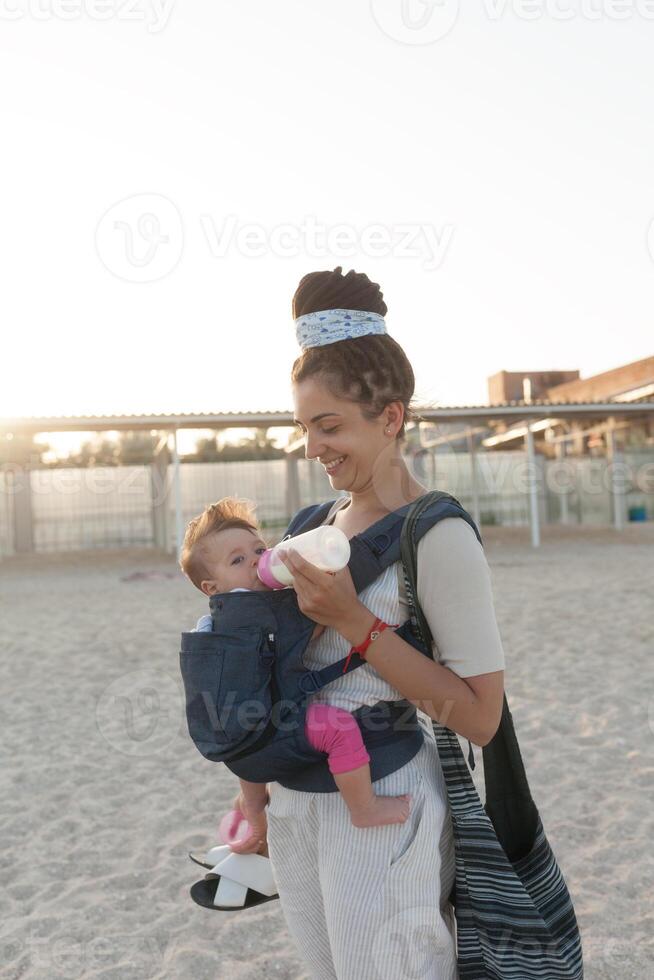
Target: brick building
x,y
632,382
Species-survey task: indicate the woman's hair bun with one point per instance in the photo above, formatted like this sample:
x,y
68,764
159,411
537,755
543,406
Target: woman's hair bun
x,y
371,370
335,291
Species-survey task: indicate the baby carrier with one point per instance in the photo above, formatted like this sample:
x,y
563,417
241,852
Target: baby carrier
x,y
247,689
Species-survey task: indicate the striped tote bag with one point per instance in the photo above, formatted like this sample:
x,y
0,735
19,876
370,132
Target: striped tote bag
x,y
515,918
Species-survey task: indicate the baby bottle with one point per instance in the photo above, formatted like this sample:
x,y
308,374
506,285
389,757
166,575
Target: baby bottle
x,y
326,547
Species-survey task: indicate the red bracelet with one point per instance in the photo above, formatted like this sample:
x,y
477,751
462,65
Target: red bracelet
x,y
378,627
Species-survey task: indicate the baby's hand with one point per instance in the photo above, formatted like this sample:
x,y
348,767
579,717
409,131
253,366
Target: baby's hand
x,y
319,630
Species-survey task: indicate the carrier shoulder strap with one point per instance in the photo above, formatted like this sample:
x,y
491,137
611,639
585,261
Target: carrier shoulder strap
x,y
379,546
308,518
373,551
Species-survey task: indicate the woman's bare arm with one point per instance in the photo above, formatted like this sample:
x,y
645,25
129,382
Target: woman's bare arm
x,y
472,707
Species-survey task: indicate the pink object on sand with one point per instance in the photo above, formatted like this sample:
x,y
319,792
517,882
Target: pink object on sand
x,y
234,828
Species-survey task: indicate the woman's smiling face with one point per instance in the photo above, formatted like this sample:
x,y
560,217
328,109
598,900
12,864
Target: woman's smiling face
x,y
337,434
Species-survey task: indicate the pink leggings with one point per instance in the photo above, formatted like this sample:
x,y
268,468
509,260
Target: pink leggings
x,y
336,732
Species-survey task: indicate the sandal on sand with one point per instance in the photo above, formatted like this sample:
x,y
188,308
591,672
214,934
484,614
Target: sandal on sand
x,y
232,826
215,854
211,858
223,895
236,881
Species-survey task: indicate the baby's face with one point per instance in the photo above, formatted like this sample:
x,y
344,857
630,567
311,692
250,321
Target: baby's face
x,y
231,558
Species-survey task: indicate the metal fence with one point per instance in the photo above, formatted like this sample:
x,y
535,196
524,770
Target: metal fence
x,y
103,507
117,506
6,515
265,483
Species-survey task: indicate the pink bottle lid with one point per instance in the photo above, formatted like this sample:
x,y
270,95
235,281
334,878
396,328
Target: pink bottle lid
x,y
264,572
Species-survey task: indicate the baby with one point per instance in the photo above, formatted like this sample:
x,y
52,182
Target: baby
x,y
221,551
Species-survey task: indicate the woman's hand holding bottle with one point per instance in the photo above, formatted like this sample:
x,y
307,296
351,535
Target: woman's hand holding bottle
x,y
253,809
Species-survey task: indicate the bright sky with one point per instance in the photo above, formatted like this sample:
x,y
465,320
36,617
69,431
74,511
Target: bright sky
x,y
498,182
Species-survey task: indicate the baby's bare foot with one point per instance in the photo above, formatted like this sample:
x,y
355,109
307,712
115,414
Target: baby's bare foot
x,y
382,810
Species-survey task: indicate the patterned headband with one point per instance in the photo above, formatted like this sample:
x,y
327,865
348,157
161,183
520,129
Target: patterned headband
x,y
329,326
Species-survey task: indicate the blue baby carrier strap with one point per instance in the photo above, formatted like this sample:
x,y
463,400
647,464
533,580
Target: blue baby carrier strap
x,y
372,551
383,537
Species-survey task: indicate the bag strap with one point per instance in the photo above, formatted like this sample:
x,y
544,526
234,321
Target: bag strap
x,y
509,803
461,791
409,552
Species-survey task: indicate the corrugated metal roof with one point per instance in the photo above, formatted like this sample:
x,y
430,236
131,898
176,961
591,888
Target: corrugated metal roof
x,y
252,419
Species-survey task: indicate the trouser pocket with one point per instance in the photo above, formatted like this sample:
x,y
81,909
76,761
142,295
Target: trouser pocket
x,y
409,830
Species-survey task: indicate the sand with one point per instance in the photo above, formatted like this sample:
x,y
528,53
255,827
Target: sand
x,y
103,793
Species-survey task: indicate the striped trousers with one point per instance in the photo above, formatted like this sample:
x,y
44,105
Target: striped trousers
x,y
368,903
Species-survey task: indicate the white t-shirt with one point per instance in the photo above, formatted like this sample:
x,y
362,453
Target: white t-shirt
x,y
455,594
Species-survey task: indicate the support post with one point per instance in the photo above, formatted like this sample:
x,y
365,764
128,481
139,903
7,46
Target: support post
x,y
177,484
292,485
577,432
313,489
534,520
474,476
159,484
617,495
22,516
563,494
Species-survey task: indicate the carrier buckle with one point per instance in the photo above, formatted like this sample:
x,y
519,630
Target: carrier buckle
x,y
381,542
309,683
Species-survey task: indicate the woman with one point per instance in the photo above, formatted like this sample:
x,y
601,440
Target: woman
x,y
373,903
